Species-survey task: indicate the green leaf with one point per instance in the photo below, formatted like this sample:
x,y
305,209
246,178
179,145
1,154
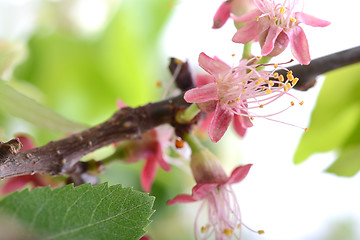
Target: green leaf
x,y
348,163
19,105
84,212
336,115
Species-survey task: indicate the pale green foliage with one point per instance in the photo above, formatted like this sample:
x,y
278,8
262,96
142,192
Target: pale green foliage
x,y
335,122
84,212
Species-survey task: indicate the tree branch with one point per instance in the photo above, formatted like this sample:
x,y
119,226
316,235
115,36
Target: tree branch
x,y
58,157
307,73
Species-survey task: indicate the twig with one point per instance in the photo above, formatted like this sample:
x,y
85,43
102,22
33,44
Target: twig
x,y
58,157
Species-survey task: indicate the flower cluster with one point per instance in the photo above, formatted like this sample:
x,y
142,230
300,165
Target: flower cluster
x,y
235,91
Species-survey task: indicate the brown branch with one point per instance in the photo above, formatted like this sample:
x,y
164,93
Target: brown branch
x,y
308,73
58,157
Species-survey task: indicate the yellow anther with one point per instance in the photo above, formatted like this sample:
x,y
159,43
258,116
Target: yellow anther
x,y
243,90
290,77
286,88
276,65
257,82
306,129
251,118
282,10
257,19
271,83
292,103
178,61
261,79
274,18
261,106
233,55
268,91
281,84
295,81
262,88
261,232
289,72
237,99
228,232
301,103
276,75
267,81
292,19
258,57
281,78
288,85
203,229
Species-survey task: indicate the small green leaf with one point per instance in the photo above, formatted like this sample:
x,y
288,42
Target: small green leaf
x,y
348,163
19,105
84,212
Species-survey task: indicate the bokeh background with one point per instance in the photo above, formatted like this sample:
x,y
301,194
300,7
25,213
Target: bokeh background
x,y
78,57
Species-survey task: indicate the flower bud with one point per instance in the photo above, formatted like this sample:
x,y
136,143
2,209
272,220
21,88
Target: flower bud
x,y
206,168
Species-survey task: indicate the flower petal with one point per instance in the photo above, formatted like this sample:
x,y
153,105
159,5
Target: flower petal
x,y
299,45
220,122
241,123
270,39
203,79
213,66
204,93
148,173
199,192
311,20
208,107
247,17
239,174
249,32
222,14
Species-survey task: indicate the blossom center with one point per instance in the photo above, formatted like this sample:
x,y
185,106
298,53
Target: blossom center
x,y
277,14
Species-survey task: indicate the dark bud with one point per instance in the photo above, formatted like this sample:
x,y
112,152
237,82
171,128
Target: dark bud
x,y
181,71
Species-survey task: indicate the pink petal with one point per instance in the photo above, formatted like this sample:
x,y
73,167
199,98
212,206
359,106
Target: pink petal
x,y
250,15
203,79
208,107
239,174
204,93
250,31
182,198
160,159
222,14
311,20
213,66
148,173
270,39
220,122
299,45
199,192
241,123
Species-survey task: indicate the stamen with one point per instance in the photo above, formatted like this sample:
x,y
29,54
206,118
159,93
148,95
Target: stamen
x,y
257,19
288,85
203,229
281,78
261,232
228,232
268,91
306,129
276,75
274,18
292,19
301,103
292,103
282,10
295,81
261,106
271,83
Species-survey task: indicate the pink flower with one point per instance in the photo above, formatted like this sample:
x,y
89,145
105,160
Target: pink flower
x,y
236,7
275,25
224,219
238,125
16,183
235,92
150,147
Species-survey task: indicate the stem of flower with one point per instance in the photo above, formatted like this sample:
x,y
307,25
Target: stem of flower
x,y
193,142
247,50
187,115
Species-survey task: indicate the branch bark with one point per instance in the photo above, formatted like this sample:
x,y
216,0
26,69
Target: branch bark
x,y
58,157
